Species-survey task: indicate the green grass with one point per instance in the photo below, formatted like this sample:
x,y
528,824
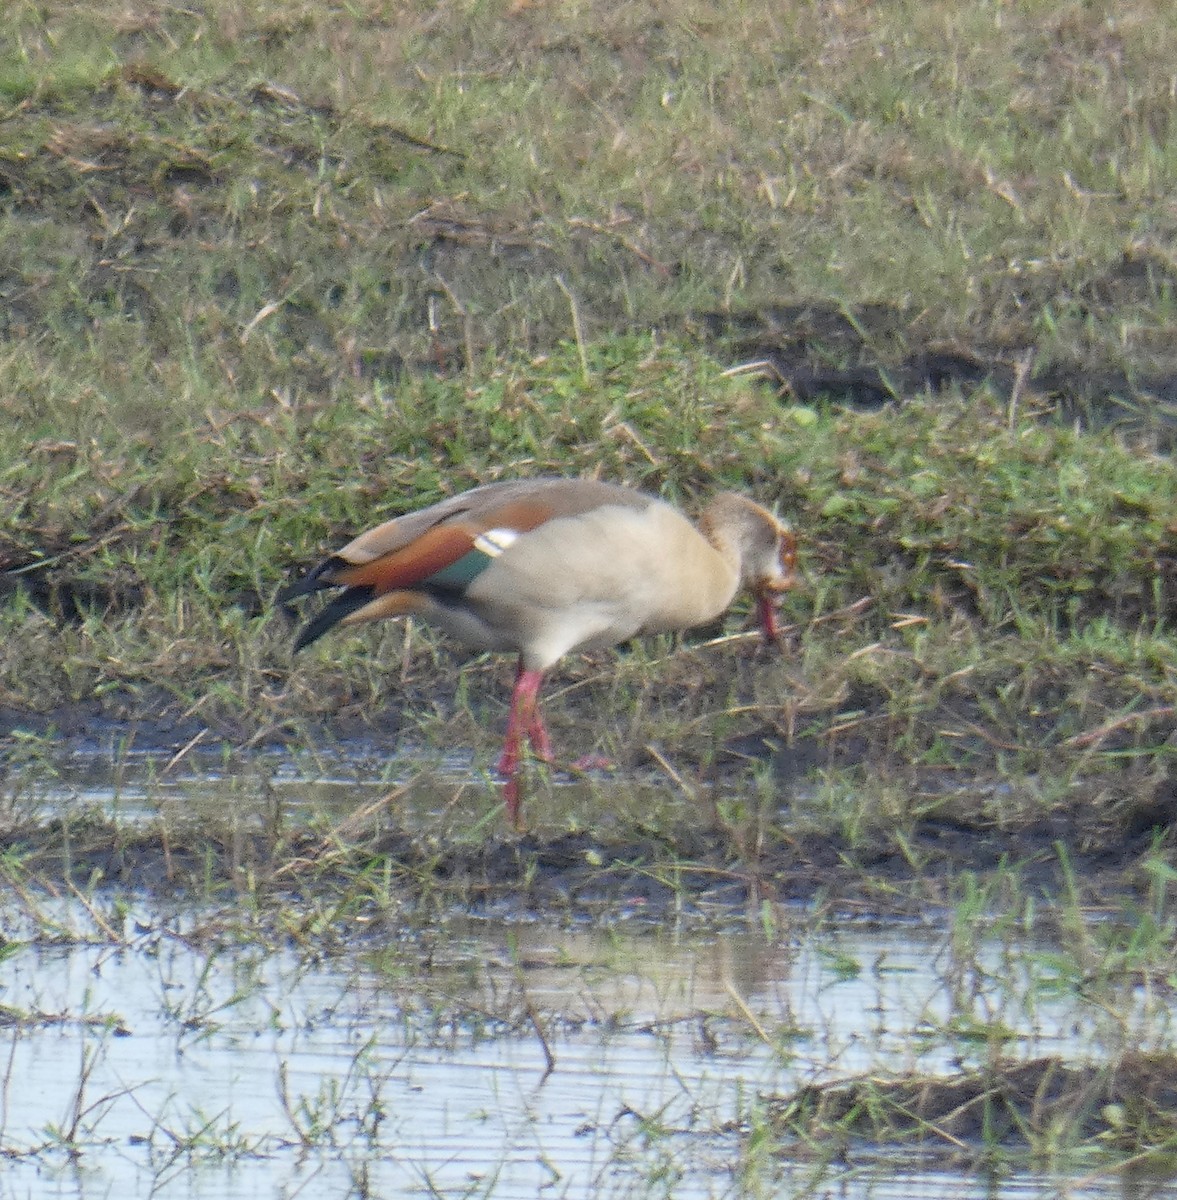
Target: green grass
x,y
274,272
998,177
976,596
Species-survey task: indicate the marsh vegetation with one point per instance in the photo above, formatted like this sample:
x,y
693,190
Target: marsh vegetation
x,y
271,272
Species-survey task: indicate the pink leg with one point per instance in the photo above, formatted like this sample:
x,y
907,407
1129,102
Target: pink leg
x,y
514,802
523,719
537,734
533,726
766,610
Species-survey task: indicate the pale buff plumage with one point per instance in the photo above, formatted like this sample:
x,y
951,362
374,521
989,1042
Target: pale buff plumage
x,y
544,567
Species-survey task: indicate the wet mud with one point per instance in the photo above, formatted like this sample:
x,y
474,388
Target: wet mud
x,y
1094,849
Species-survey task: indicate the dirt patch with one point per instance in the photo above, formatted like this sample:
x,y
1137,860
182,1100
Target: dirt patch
x,y
818,353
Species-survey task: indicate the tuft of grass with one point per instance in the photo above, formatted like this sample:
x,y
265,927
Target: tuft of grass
x,y
1046,1111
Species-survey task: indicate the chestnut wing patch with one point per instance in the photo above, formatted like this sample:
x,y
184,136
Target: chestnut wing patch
x,y
448,557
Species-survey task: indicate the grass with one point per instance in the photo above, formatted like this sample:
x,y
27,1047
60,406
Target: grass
x,y
273,272
1096,1109
1043,1112
437,187
970,589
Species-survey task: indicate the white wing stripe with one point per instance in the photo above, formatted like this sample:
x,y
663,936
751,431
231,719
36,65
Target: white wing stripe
x,y
494,541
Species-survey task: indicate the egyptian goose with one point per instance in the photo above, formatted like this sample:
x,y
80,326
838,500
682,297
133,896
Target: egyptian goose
x,y
542,567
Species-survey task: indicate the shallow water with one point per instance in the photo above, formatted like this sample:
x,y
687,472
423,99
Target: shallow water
x,y
197,1070
147,1053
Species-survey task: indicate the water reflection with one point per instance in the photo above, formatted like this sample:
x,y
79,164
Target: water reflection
x,y
178,1055
187,1066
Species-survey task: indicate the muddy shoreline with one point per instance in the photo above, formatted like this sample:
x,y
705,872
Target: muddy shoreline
x,y
703,865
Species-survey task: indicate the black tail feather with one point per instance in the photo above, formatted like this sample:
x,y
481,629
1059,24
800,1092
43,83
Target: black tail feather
x,y
341,606
312,581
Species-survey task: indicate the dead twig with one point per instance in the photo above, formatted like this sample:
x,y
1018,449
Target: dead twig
x,y
1094,736
634,249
